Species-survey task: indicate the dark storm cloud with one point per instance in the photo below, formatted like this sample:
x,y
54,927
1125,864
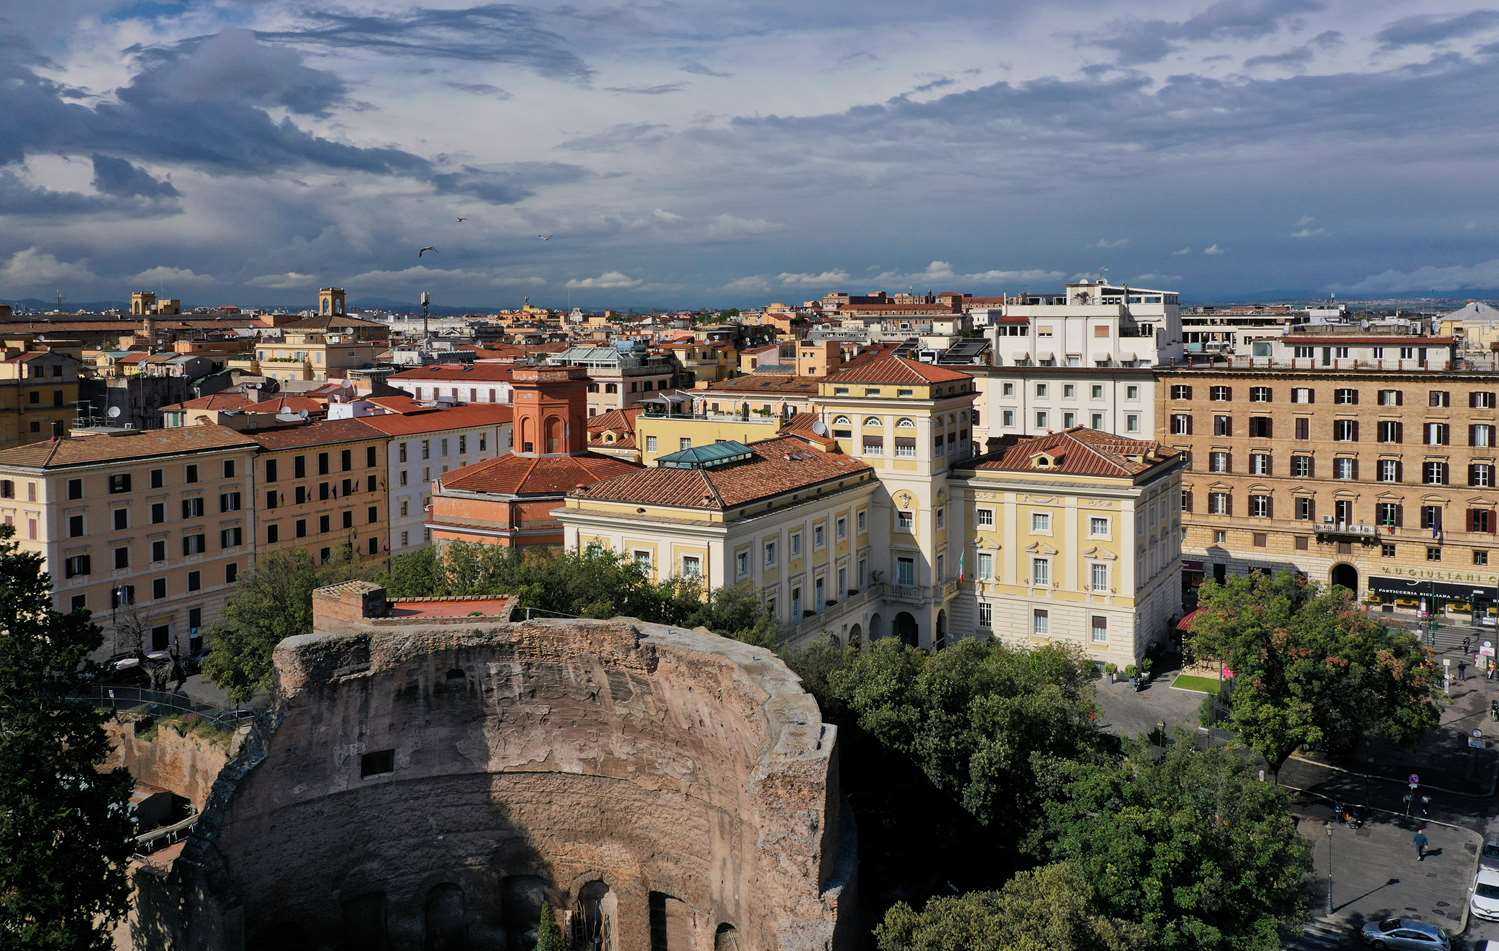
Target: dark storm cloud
x,y
118,177
488,33
202,104
1136,42
507,184
1426,29
19,198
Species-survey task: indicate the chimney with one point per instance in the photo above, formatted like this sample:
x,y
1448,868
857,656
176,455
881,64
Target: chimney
x,y
993,444
56,430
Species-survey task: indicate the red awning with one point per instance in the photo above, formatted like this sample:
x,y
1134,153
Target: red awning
x,y
1185,624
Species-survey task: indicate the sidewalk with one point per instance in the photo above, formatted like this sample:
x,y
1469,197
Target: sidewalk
x,y
1375,873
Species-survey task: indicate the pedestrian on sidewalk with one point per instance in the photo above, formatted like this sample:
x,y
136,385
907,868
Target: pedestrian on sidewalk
x,y
1467,645
1421,842
1462,670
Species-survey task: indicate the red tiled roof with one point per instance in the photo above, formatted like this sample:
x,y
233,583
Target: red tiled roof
x,y
459,372
398,404
289,404
780,465
214,401
615,420
887,368
428,420
535,475
800,425
322,433
136,444
1077,451
773,383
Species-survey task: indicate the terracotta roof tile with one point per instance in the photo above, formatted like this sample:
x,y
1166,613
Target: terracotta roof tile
x,y
886,368
1076,451
780,465
214,401
323,433
534,475
133,444
766,383
428,420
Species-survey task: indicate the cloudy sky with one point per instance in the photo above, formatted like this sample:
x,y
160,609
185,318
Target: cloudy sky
x,y
718,151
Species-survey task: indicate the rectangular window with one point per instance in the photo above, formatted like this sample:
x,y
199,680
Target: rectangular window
x,y
75,526
1186,500
796,544
1223,426
159,550
1220,503
985,566
1480,520
1306,508
1042,419
1259,427
1100,629
122,557
1098,577
119,483
159,588
905,521
1390,431
1388,514
1431,517
905,446
643,560
1303,467
1219,461
692,566
122,519
1040,571
1433,553
1346,396
1259,394
1439,398
1259,506
986,615
1390,470
1041,523
192,508
1040,621
1345,469
1098,527
1391,398
1434,473
193,545
1303,427
191,474
1480,557
1221,394
905,571
874,445
1480,399
194,580
1181,424
1481,434
984,518
75,489
770,554
1181,392
1345,430
1260,463
1386,550
1481,474
1303,394
158,478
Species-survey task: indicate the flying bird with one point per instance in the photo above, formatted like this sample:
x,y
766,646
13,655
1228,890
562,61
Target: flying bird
x,y
544,237
462,219
425,250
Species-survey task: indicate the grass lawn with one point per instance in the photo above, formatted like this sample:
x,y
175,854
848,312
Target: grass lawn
x,y
1199,684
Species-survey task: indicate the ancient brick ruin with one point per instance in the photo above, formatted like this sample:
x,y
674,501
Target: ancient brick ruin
x,y
433,772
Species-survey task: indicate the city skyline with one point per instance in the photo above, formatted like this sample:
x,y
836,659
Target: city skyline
x,y
727,154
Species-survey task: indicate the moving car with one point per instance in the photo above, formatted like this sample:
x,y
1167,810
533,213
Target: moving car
x,y
1485,901
1406,934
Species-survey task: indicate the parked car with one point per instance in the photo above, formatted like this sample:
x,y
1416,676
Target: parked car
x,y
1485,900
1489,857
1406,934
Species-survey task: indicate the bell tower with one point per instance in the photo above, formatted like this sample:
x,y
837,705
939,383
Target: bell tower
x,y
331,302
551,417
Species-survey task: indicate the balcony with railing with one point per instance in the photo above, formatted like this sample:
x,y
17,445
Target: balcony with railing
x,y
1332,530
836,614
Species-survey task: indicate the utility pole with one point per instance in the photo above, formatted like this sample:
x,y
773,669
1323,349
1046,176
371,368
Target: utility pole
x,y
1329,867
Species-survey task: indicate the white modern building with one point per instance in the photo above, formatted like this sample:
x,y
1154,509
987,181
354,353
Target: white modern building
x,y
456,383
1081,358
425,445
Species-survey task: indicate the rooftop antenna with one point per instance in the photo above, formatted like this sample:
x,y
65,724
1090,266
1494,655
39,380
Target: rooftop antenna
x,y
59,299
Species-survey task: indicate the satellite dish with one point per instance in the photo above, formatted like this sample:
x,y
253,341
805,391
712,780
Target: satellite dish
x,y
290,417
113,412
820,428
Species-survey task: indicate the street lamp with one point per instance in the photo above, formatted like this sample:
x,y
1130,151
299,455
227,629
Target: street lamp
x,y
1329,867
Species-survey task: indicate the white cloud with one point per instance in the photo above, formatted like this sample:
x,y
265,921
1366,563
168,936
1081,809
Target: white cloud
x,y
1213,250
943,271
286,281
1307,227
1484,274
667,217
1154,278
753,282
609,280
169,277
32,268
1181,251
1107,243
1025,274
416,279
732,226
826,277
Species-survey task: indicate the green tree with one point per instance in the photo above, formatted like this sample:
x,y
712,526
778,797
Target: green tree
x,y
1186,844
65,835
548,935
1311,669
982,720
1045,909
415,574
273,603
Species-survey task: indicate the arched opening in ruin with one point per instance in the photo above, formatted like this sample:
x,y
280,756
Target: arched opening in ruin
x,y
446,926
876,630
726,938
671,924
521,898
905,629
593,918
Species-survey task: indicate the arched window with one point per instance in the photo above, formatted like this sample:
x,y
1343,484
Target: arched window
x,y
554,434
872,421
840,421
905,422
527,435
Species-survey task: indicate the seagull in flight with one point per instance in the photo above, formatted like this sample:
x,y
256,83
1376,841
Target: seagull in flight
x,y
544,237
462,219
425,250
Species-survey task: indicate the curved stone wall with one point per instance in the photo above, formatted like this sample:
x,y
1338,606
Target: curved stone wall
x,y
428,783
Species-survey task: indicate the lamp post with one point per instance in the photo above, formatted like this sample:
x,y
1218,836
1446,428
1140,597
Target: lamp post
x,y
1329,867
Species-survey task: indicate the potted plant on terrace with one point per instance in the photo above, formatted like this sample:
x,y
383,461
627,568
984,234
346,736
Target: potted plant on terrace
x,y
1133,673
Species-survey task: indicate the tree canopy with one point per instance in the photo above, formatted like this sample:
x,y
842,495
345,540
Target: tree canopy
x,y
1311,669
65,832
273,602
1185,843
1050,908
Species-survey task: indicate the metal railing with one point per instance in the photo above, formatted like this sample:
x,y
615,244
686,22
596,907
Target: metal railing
x,y
158,703
149,842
